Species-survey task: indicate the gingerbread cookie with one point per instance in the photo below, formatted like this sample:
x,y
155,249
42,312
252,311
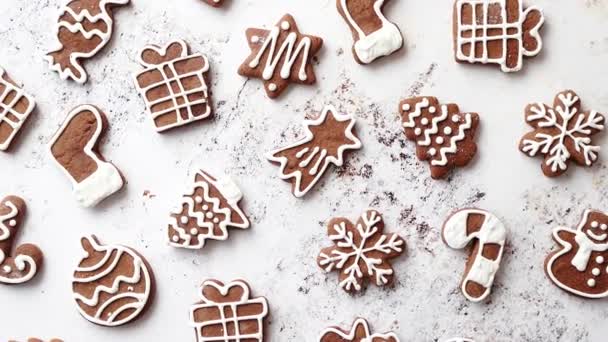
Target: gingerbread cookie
x,y
373,34
22,264
562,133
281,56
15,107
215,3
579,266
75,148
497,32
206,212
488,235
112,284
359,332
228,313
84,27
174,85
326,141
361,251
444,136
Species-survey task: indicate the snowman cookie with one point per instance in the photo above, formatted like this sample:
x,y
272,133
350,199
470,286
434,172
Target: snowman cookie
x,y
579,266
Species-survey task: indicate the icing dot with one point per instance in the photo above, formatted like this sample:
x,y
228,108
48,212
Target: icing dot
x,y
194,231
130,288
599,259
417,131
594,224
205,207
432,151
455,118
439,140
406,107
285,25
424,121
255,39
595,271
209,215
447,130
591,282
175,238
604,227
184,219
272,87
85,254
216,220
432,109
198,199
7,269
12,223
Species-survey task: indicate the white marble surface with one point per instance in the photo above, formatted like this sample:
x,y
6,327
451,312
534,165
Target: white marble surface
x,y
277,255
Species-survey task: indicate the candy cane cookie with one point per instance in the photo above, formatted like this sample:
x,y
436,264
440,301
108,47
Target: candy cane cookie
x,y
489,234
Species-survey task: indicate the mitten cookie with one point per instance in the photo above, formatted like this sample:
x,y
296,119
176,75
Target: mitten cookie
x,y
228,313
361,251
444,136
373,34
359,332
22,264
75,148
579,266
562,133
174,85
496,31
112,284
326,141
84,27
206,212
15,107
280,56
488,235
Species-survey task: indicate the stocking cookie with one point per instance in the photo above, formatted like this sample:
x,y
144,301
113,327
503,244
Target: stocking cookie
x,y
497,32
579,266
112,284
22,264
444,136
562,133
15,107
359,332
227,313
373,34
326,141
75,148
174,85
206,212
361,251
84,27
281,56
488,235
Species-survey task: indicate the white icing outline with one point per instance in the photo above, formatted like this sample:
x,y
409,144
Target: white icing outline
x,y
102,183
504,26
566,247
77,27
20,260
4,109
318,169
382,42
200,74
492,231
140,268
223,290
353,330
233,195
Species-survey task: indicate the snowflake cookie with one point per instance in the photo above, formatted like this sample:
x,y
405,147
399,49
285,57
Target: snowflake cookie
x,y
562,133
359,332
360,251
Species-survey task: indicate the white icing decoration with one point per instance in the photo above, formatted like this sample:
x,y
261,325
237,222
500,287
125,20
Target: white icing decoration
x,y
383,42
255,39
591,282
18,96
285,25
20,260
193,231
79,18
424,121
102,183
324,163
453,146
418,131
604,226
447,130
432,151
357,325
272,87
510,32
140,272
439,140
406,107
12,223
595,271
198,199
7,269
599,259
180,99
492,231
222,308
594,224
184,219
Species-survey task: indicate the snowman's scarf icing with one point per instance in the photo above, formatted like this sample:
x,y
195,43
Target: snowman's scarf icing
x,y
585,248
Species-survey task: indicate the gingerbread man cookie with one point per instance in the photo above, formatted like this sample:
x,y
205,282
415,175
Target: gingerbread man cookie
x,y
361,251
326,142
562,133
359,332
22,264
373,34
228,313
488,235
84,27
174,85
496,31
75,148
15,107
280,56
579,266
444,136
112,284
